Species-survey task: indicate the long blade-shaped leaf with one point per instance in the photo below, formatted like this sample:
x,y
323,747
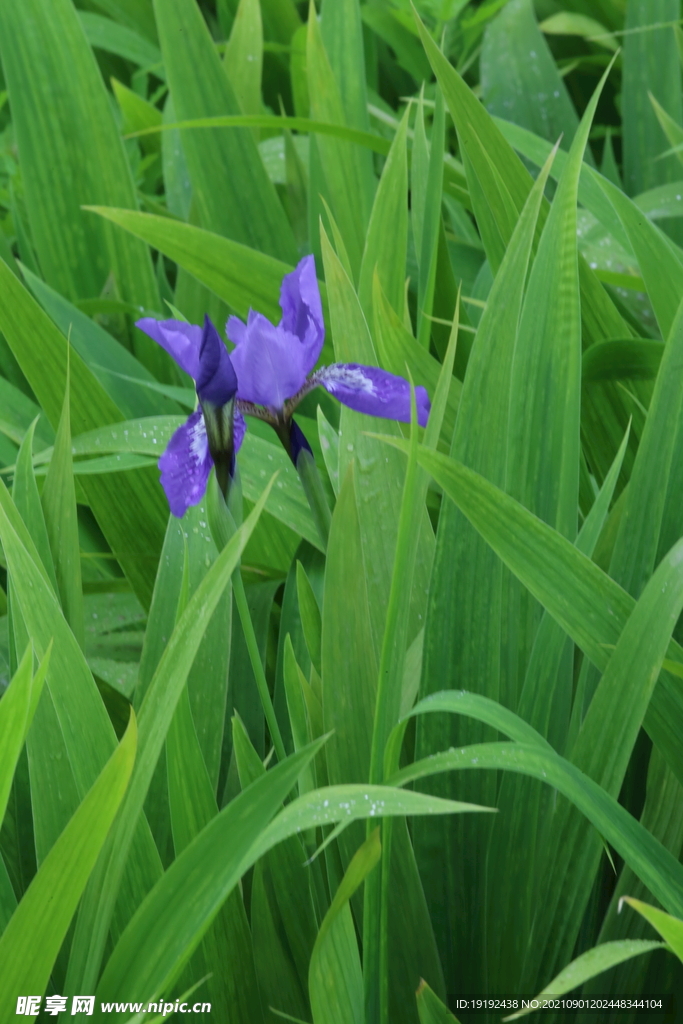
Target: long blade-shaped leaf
x,y
45,55
131,510
463,631
155,716
52,897
590,606
230,185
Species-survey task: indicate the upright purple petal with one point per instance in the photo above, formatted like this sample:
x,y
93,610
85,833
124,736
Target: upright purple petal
x,y
302,311
269,363
182,341
236,330
216,380
185,465
373,392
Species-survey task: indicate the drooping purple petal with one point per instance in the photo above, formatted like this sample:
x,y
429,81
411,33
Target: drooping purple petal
x,y
302,311
373,392
269,363
216,379
185,465
182,341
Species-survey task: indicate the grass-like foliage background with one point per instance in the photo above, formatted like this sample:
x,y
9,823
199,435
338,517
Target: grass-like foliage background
x,y
492,192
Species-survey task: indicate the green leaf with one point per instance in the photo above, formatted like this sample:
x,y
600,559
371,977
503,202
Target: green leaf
x,y
387,237
426,213
567,23
52,898
651,65
208,678
341,32
595,961
499,186
17,708
661,269
658,262
660,818
61,521
138,114
296,686
309,611
18,412
76,253
348,658
284,891
113,37
113,365
545,397
589,606
348,187
388,25
234,992
415,951
379,484
463,632
136,14
397,350
430,1008
155,716
520,80
8,901
660,202
131,510
230,186
26,497
244,278
627,359
195,886
658,868
290,624
335,977
653,493
338,131
622,698
671,128
149,436
243,58
514,845
543,452
86,730
670,928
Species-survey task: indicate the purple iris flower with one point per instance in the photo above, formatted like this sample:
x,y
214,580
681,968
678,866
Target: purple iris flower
x,y
273,366
214,432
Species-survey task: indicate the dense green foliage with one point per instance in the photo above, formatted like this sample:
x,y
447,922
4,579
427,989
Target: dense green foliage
x,y
492,191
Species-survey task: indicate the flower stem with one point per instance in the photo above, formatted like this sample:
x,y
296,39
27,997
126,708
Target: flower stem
x,y
223,526
315,493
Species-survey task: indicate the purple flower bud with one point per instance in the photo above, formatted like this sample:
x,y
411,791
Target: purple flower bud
x,y
297,442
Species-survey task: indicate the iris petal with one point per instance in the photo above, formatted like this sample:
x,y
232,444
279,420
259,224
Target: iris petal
x,y
302,311
185,465
272,362
182,341
269,363
372,391
216,380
